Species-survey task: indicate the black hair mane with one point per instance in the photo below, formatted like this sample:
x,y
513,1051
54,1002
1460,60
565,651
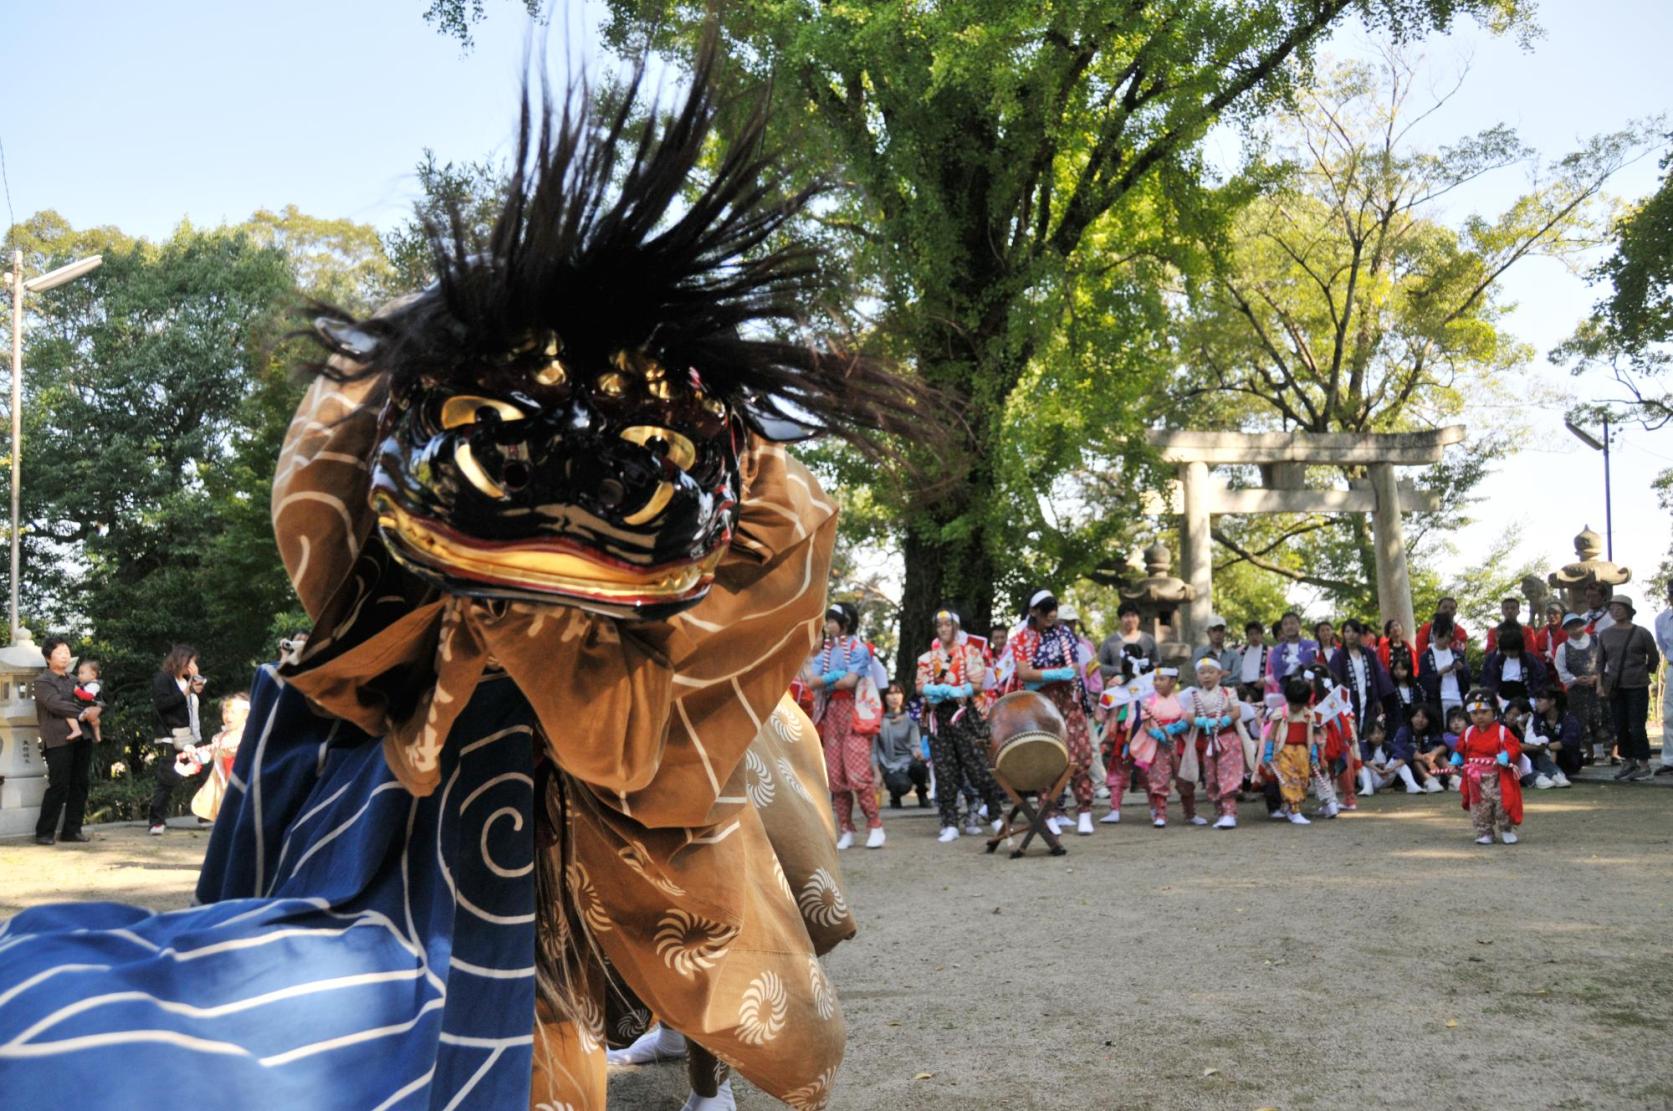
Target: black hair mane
x,y
601,241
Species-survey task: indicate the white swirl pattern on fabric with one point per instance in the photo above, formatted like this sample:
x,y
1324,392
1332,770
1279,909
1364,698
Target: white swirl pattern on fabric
x,y
398,931
824,996
762,1011
758,781
689,942
821,899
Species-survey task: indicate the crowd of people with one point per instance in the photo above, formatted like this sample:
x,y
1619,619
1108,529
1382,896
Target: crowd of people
x,y
1345,711
1332,712
68,712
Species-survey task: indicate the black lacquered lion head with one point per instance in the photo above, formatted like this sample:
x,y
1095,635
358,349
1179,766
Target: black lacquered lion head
x,y
568,404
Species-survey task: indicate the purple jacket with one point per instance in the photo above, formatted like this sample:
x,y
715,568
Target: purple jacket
x,y
1278,668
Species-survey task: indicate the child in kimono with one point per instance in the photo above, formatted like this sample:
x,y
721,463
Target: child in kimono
x,y
1161,730
1264,777
1217,726
1292,748
1121,713
1487,755
1338,763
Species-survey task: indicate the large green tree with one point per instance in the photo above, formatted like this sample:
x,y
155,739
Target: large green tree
x,y
1628,334
1001,168
157,391
1339,300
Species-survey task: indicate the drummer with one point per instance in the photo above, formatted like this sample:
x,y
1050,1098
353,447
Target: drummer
x,y
950,675
1047,659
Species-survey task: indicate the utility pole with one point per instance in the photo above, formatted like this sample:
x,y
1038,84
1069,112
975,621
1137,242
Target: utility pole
x,y
50,280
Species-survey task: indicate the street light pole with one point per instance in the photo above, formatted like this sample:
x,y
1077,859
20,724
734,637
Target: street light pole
x,y
17,429
1595,444
40,284
1608,501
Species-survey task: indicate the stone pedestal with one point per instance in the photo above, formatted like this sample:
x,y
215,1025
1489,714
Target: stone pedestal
x,y
20,740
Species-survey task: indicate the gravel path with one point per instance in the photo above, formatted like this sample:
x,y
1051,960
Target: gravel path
x,y
1380,960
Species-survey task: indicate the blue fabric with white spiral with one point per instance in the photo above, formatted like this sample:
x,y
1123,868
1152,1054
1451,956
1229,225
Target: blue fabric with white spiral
x,y
357,947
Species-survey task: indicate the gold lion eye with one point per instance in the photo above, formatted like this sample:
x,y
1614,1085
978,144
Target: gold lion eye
x,y
612,384
681,451
462,409
552,374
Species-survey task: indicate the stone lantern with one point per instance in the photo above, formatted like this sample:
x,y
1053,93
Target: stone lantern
x,y
22,768
1573,578
1160,593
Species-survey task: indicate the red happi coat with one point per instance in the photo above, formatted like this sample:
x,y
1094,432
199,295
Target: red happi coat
x,y
1336,740
1486,744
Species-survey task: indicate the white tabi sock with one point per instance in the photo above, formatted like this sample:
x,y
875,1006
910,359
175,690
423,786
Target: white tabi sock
x,y
659,1043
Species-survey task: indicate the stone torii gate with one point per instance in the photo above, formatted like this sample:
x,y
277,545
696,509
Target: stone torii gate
x,y
1283,458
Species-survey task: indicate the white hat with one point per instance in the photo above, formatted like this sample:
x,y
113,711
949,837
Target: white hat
x,y
1068,612
1215,621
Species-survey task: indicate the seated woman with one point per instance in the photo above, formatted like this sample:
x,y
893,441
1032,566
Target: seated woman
x,y
1387,761
1559,730
1430,753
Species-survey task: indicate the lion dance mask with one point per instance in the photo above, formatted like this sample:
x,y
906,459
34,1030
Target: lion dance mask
x,y
533,777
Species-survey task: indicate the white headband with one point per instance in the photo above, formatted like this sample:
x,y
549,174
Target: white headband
x,y
1039,597
1209,661
1173,671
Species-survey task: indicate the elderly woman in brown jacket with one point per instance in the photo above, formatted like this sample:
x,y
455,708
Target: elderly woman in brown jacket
x,y
69,760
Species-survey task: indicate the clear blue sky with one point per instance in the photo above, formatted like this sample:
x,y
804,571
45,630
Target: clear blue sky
x,y
143,115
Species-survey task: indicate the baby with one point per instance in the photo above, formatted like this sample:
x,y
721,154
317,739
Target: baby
x,y
87,690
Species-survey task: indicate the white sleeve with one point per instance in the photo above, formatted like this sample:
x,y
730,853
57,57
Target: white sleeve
x,y
1561,661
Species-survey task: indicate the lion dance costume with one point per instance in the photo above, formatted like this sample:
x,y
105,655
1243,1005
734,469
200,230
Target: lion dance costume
x,y
533,778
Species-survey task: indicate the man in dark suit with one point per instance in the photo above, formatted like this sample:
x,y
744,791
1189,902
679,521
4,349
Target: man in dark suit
x,y
69,760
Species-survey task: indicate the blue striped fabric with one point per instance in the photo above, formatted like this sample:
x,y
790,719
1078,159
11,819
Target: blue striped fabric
x,y
356,947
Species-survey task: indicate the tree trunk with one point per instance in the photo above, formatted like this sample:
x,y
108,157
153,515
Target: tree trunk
x,y
942,572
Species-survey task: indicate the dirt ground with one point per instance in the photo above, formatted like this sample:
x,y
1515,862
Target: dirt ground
x,y
1379,960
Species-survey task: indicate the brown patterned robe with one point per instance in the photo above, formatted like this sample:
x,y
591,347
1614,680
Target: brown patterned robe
x,y
698,861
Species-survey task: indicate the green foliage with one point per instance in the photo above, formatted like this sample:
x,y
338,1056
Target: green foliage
x,y
457,19
476,191
126,798
1007,172
157,393
1628,332
1338,302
